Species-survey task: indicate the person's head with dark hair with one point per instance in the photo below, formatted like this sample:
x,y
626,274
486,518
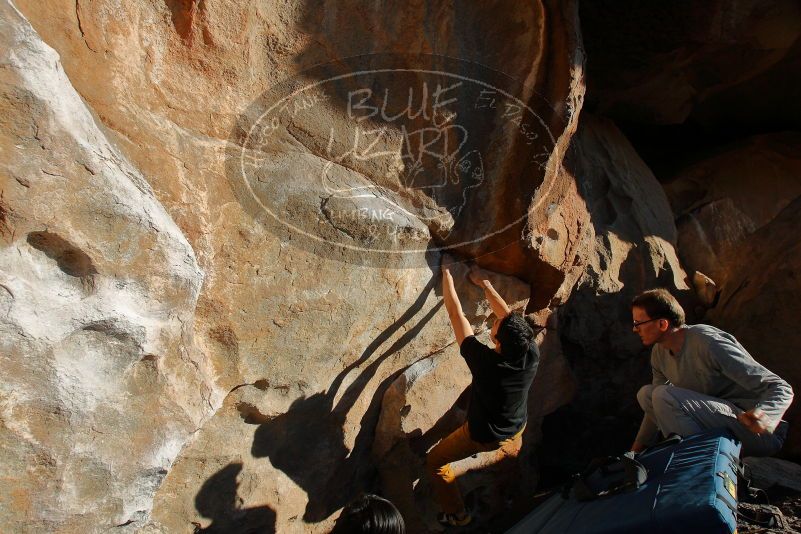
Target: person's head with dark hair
x,y
660,304
655,313
512,336
370,514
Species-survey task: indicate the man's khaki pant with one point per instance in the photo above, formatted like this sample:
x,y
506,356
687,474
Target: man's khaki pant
x,y
457,446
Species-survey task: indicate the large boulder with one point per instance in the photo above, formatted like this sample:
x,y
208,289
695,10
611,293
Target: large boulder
x,y
304,316
760,303
719,207
302,449
520,120
102,384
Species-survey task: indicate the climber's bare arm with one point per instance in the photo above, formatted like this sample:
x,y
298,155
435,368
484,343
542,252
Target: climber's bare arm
x,y
461,328
499,307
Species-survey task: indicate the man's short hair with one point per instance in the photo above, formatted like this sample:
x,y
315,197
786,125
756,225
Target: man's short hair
x,y
660,304
515,335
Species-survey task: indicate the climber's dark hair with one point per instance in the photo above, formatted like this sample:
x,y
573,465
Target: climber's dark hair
x,y
515,335
369,514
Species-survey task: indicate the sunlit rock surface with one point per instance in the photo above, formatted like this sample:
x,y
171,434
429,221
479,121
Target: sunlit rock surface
x,y
102,383
629,246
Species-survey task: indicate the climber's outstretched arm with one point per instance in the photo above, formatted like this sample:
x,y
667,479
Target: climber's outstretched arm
x,y
461,327
499,307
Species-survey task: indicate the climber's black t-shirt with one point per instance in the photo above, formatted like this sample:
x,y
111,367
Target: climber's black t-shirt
x,y
500,390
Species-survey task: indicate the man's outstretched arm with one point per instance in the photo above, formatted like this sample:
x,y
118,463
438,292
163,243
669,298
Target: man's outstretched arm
x,y
498,305
461,327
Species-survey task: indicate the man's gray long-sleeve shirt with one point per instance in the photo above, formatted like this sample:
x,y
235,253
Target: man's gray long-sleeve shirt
x,y
712,362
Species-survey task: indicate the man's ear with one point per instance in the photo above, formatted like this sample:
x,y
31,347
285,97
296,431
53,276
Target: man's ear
x,y
666,325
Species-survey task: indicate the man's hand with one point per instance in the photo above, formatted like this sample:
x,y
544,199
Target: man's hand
x,y
478,276
754,420
637,447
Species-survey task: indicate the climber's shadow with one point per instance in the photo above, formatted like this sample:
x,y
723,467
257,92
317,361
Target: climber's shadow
x,y
218,501
307,442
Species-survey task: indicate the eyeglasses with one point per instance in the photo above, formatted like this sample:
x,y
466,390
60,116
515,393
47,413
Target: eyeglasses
x,y
636,324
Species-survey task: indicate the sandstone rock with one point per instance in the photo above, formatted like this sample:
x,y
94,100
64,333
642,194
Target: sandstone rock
x,y
758,305
303,448
554,214
629,245
705,288
407,428
317,331
191,50
426,390
102,383
165,126
733,211
769,472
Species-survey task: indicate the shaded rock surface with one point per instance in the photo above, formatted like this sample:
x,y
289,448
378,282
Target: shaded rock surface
x,y
768,472
757,306
200,328
721,200
717,63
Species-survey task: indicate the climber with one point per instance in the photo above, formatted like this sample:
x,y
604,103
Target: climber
x,y
497,413
703,379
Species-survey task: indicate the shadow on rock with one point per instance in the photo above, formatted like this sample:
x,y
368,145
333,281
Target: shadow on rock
x,y
307,442
218,501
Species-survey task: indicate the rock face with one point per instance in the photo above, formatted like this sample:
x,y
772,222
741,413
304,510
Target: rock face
x,y
769,472
222,223
102,384
293,338
738,217
301,450
718,206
